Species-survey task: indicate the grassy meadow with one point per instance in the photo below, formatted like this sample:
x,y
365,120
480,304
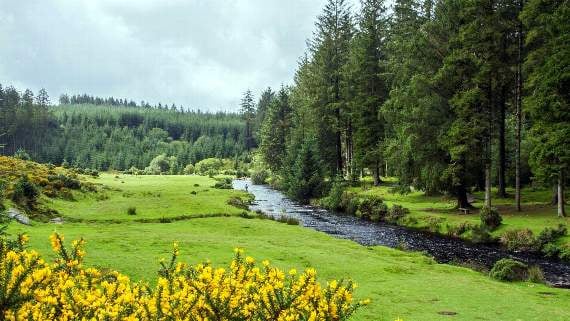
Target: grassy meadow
x,y
400,284
154,197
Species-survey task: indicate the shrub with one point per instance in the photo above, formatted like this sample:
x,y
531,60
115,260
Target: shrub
x,y
565,253
132,210
396,213
60,181
519,240
238,202
25,192
334,200
535,274
551,250
550,235
490,217
480,234
262,292
509,270
189,169
373,209
224,183
458,230
259,177
22,154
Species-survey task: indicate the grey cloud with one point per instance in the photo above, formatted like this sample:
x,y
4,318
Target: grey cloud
x,y
198,53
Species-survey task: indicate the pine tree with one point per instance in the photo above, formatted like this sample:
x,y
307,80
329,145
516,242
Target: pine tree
x,y
548,102
248,114
330,50
275,131
366,74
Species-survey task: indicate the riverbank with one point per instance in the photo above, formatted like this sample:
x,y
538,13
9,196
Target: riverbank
x,y
437,214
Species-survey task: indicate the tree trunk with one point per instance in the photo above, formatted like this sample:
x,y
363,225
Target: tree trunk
x,y
519,114
561,203
461,194
488,185
554,199
376,173
502,189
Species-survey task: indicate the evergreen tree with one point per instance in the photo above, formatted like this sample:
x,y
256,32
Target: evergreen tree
x,y
330,50
548,102
366,74
275,131
248,114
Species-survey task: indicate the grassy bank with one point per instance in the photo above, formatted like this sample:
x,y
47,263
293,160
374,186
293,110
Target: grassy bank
x,y
400,284
438,213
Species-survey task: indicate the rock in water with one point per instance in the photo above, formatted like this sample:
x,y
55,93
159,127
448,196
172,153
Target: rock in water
x,y
18,216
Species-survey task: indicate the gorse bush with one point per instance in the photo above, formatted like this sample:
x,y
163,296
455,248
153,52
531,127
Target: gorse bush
x,y
64,290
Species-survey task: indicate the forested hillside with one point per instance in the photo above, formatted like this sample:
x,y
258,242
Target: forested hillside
x,y
91,132
448,96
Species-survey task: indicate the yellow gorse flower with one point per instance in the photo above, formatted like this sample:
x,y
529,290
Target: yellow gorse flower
x,y
65,290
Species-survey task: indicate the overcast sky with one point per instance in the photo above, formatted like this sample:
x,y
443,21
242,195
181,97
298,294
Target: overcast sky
x,y
196,53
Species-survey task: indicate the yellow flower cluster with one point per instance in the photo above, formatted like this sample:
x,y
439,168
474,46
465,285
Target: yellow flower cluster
x,y
31,289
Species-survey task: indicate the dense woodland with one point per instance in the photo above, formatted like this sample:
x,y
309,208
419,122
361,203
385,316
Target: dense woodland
x,y
96,133
448,96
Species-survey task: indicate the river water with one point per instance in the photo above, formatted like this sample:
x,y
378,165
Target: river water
x,y
442,249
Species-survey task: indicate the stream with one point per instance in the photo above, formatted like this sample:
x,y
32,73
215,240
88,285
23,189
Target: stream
x,y
442,249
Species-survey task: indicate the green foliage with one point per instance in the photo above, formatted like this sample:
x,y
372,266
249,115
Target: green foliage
x,y
535,274
189,169
259,177
334,200
373,209
548,102
60,181
396,213
274,131
224,183
305,179
22,154
162,164
25,192
209,166
519,240
509,270
490,217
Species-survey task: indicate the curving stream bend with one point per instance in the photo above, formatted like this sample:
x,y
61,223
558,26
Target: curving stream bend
x,y
444,250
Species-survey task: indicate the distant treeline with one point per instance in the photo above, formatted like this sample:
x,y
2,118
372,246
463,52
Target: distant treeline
x,y
107,134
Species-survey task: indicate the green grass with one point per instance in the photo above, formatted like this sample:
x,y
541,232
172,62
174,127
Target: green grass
x,y
400,284
536,213
154,197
